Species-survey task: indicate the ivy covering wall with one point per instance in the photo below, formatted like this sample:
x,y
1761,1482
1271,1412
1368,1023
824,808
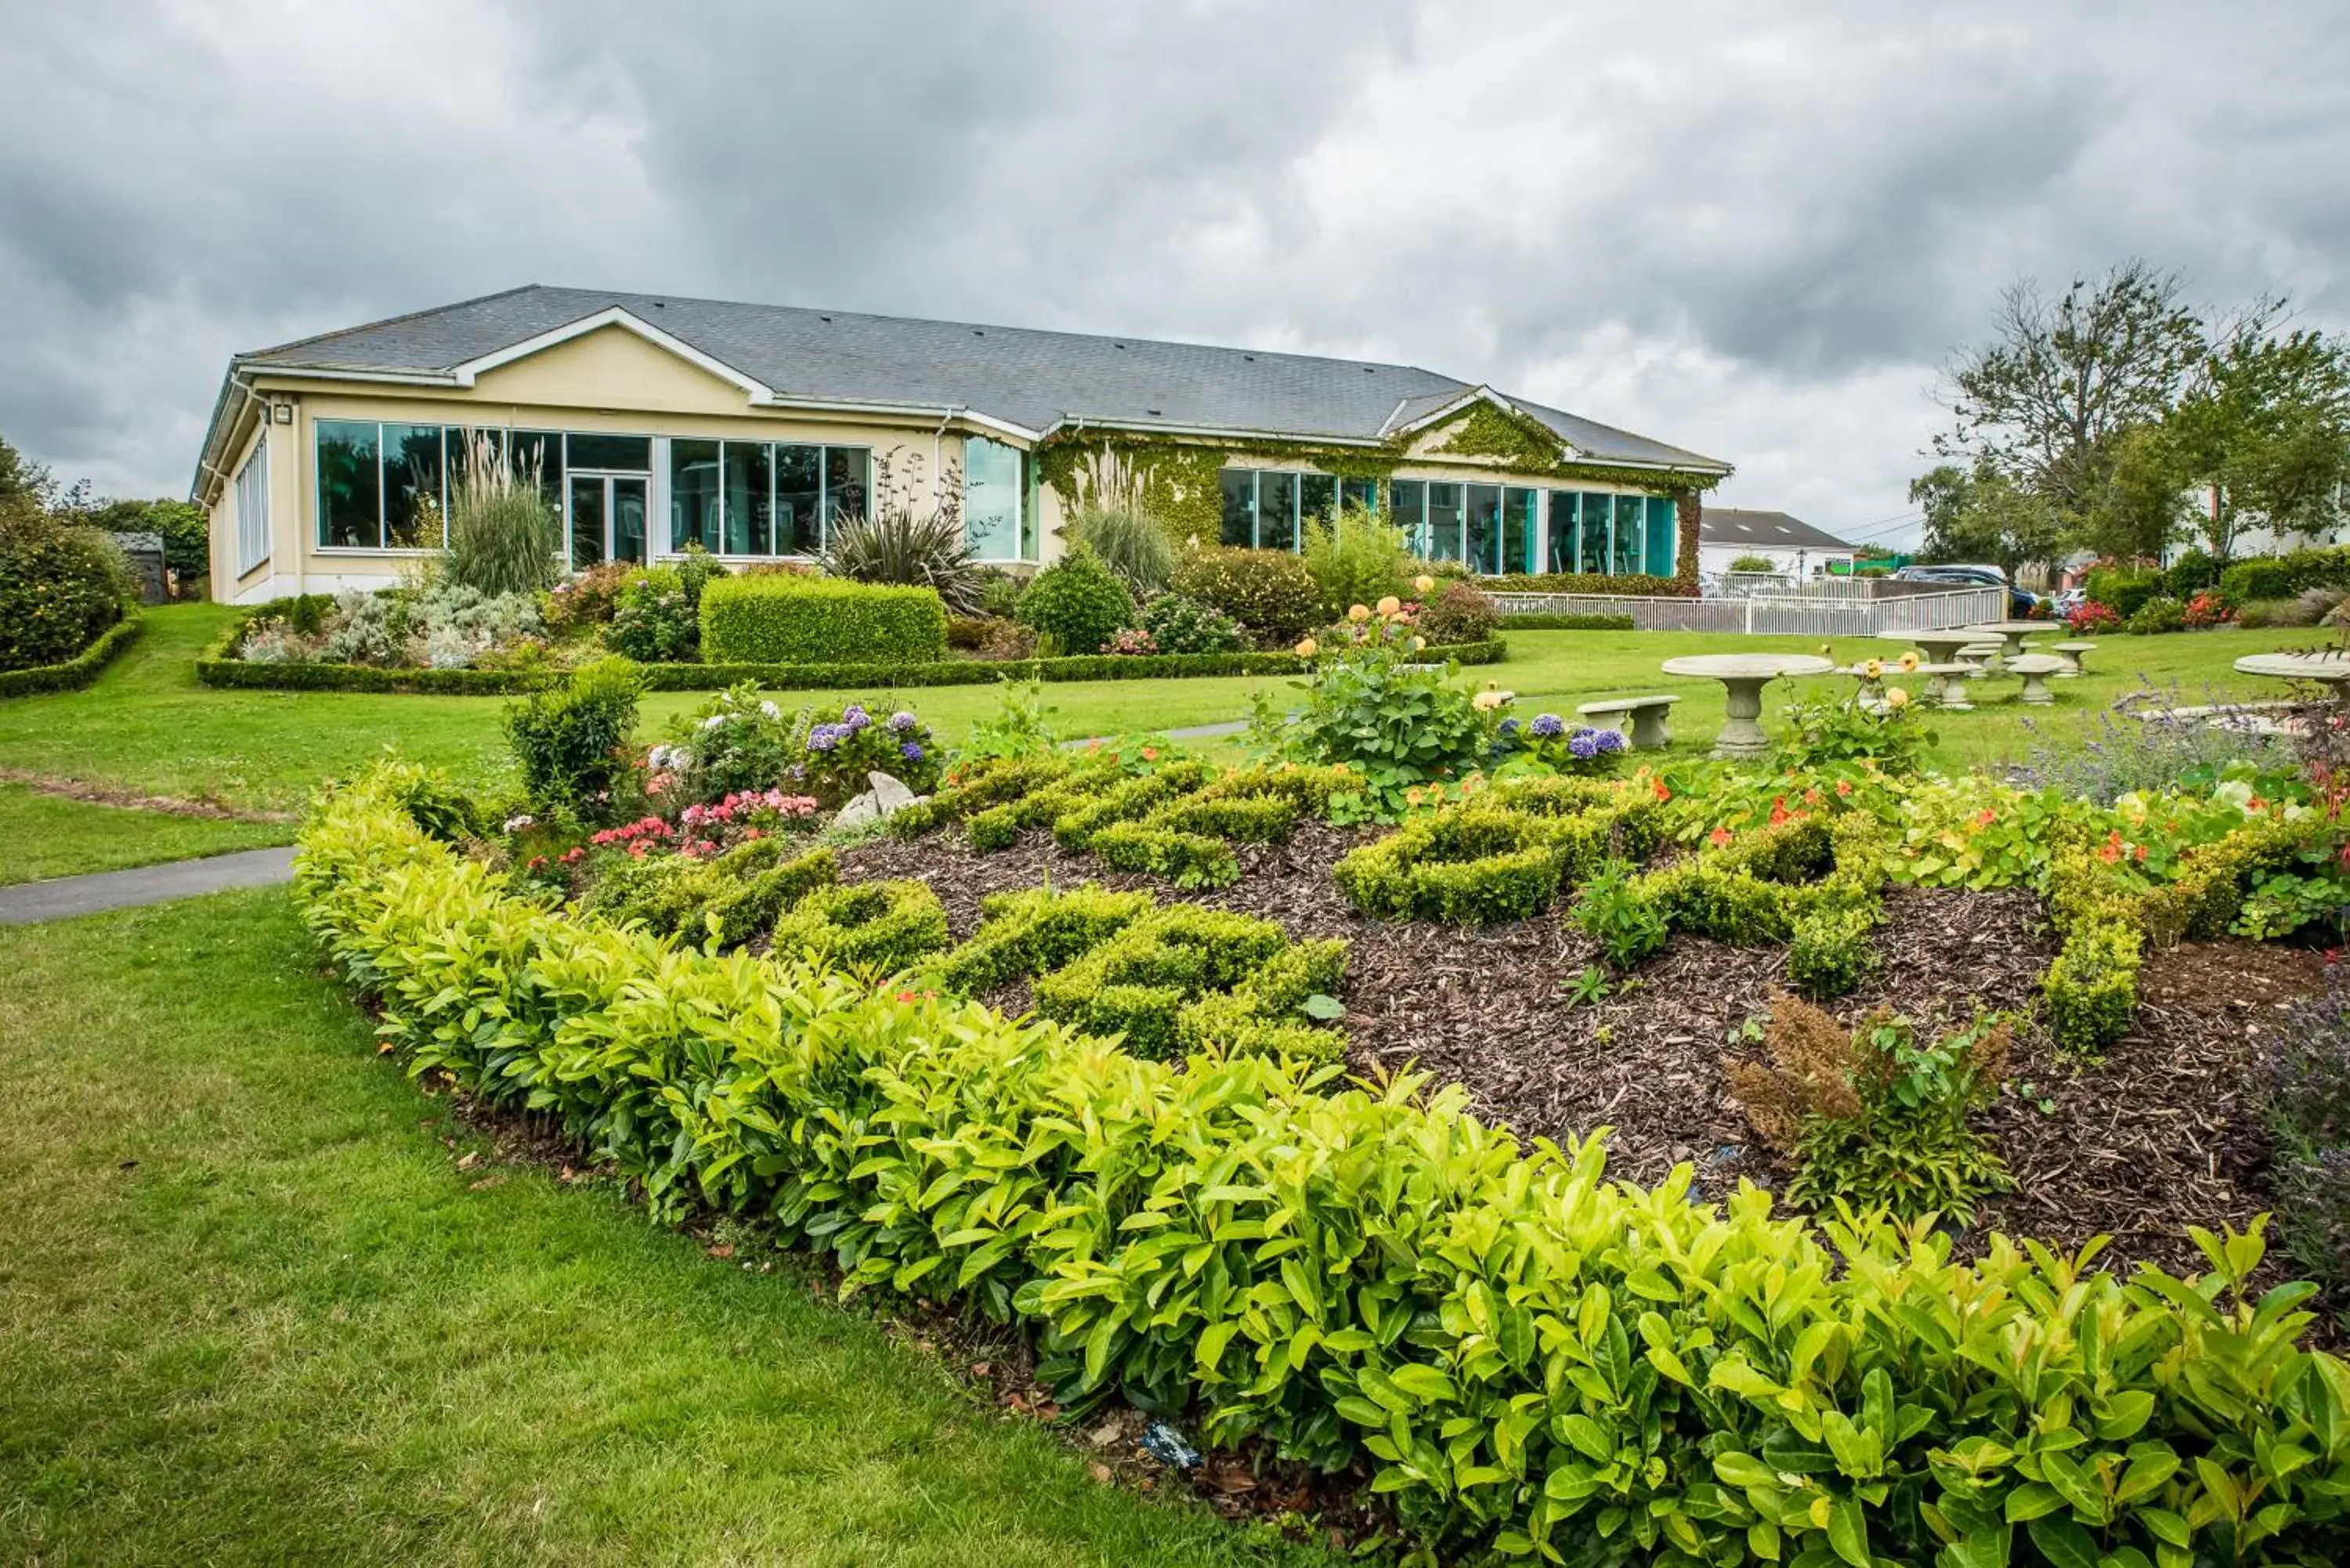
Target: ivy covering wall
x,y
1177,482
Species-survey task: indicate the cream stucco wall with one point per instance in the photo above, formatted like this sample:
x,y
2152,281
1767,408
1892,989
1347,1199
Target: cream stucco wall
x,y
609,381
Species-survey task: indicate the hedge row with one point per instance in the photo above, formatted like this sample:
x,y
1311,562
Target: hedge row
x,y
1523,1356
1638,585
1533,622
81,670
792,619
216,669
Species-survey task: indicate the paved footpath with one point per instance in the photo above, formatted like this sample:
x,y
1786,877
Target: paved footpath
x,y
63,896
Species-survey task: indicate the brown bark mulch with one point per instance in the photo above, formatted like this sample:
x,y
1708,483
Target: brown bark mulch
x,y
2154,1138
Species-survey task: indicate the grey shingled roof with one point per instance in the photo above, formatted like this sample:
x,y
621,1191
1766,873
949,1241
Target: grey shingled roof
x,y
1027,378
1730,525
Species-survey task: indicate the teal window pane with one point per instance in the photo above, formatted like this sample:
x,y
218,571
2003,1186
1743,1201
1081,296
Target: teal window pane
x,y
848,484
1630,535
1660,536
800,494
693,504
1317,498
1276,510
1362,492
633,453
411,487
749,498
1483,545
1444,507
351,485
1240,506
1518,530
1407,508
1596,518
990,499
1562,531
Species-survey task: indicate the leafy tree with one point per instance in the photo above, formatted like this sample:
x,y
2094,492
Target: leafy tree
x,y
2263,430
2060,381
186,531
2142,507
1983,516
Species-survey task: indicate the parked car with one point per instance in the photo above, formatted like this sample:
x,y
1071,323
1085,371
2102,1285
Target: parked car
x,y
2020,602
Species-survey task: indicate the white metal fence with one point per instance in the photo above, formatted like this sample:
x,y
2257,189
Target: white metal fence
x,y
1780,615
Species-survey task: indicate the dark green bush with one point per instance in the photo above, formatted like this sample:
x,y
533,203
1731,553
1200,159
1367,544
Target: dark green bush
x,y
1076,602
2190,575
1270,593
78,671
61,586
1457,613
814,620
1532,622
2122,589
654,619
1179,625
572,742
2281,576
1637,584
2156,615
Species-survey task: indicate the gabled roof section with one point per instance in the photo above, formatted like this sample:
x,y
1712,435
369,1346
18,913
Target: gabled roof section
x,y
621,316
1763,530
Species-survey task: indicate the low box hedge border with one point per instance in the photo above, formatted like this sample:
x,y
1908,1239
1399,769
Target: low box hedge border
x,y
1534,621
81,670
217,668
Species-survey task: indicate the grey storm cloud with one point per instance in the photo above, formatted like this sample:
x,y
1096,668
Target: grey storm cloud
x,y
1751,229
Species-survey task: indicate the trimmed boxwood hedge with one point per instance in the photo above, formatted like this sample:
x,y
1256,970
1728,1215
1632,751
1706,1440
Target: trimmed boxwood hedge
x,y
81,670
810,620
217,668
1568,623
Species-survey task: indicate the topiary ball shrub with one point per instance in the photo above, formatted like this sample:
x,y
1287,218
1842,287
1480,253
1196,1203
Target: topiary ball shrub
x,y
61,585
1077,602
1270,593
1458,614
1180,625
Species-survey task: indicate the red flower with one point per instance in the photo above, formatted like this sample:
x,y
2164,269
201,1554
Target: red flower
x,y
1663,793
1720,835
1844,787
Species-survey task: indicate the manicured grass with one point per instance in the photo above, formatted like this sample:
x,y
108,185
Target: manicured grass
x,y
48,837
252,1312
148,725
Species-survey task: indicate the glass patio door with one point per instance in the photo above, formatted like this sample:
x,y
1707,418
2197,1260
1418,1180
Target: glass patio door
x,y
607,517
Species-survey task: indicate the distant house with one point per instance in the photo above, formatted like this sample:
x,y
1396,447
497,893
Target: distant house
x,y
658,423
1792,546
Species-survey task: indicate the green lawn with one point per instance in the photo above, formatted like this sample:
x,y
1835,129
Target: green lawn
x,y
148,726
251,1312
48,837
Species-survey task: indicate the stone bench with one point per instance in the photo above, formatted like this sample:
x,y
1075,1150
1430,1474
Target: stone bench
x,y
2035,668
1981,659
2070,652
1648,717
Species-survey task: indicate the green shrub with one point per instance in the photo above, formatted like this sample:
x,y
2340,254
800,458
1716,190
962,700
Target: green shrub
x,y
870,927
898,547
783,619
78,671
1076,603
1457,613
2156,615
572,742
1270,593
1615,910
1179,625
1356,557
2121,589
2092,986
654,621
1509,622
1464,865
1027,933
2283,576
2194,571
1633,584
1830,952
1754,564
1872,1118
1135,983
1098,805
1524,1355
1185,859
61,586
972,791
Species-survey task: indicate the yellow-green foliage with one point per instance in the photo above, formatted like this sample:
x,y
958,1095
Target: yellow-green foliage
x,y
880,927
1524,1355
1502,856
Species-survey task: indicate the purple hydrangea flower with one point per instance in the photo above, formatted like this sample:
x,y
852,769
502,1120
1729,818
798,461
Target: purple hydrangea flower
x,y
1583,745
901,721
1509,726
854,718
1546,725
824,737
911,752
1609,741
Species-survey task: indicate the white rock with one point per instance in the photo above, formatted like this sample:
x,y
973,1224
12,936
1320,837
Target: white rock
x,y
889,793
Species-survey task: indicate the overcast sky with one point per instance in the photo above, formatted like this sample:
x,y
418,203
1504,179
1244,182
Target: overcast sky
x,y
1751,229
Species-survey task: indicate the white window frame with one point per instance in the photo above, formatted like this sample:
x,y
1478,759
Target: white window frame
x,y
251,503
1020,519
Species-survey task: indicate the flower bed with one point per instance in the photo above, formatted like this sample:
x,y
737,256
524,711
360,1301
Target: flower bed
x,y
1525,1354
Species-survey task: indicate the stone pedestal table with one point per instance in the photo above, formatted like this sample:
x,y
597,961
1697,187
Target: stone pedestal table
x,y
1743,676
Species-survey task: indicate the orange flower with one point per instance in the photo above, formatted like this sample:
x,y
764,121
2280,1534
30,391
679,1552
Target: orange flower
x,y
1985,817
1780,814
1844,787
1150,753
1720,835
2139,852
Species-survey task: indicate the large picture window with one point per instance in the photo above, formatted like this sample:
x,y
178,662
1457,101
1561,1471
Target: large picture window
x,y
1596,533
761,498
993,501
1268,508
253,508
385,487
